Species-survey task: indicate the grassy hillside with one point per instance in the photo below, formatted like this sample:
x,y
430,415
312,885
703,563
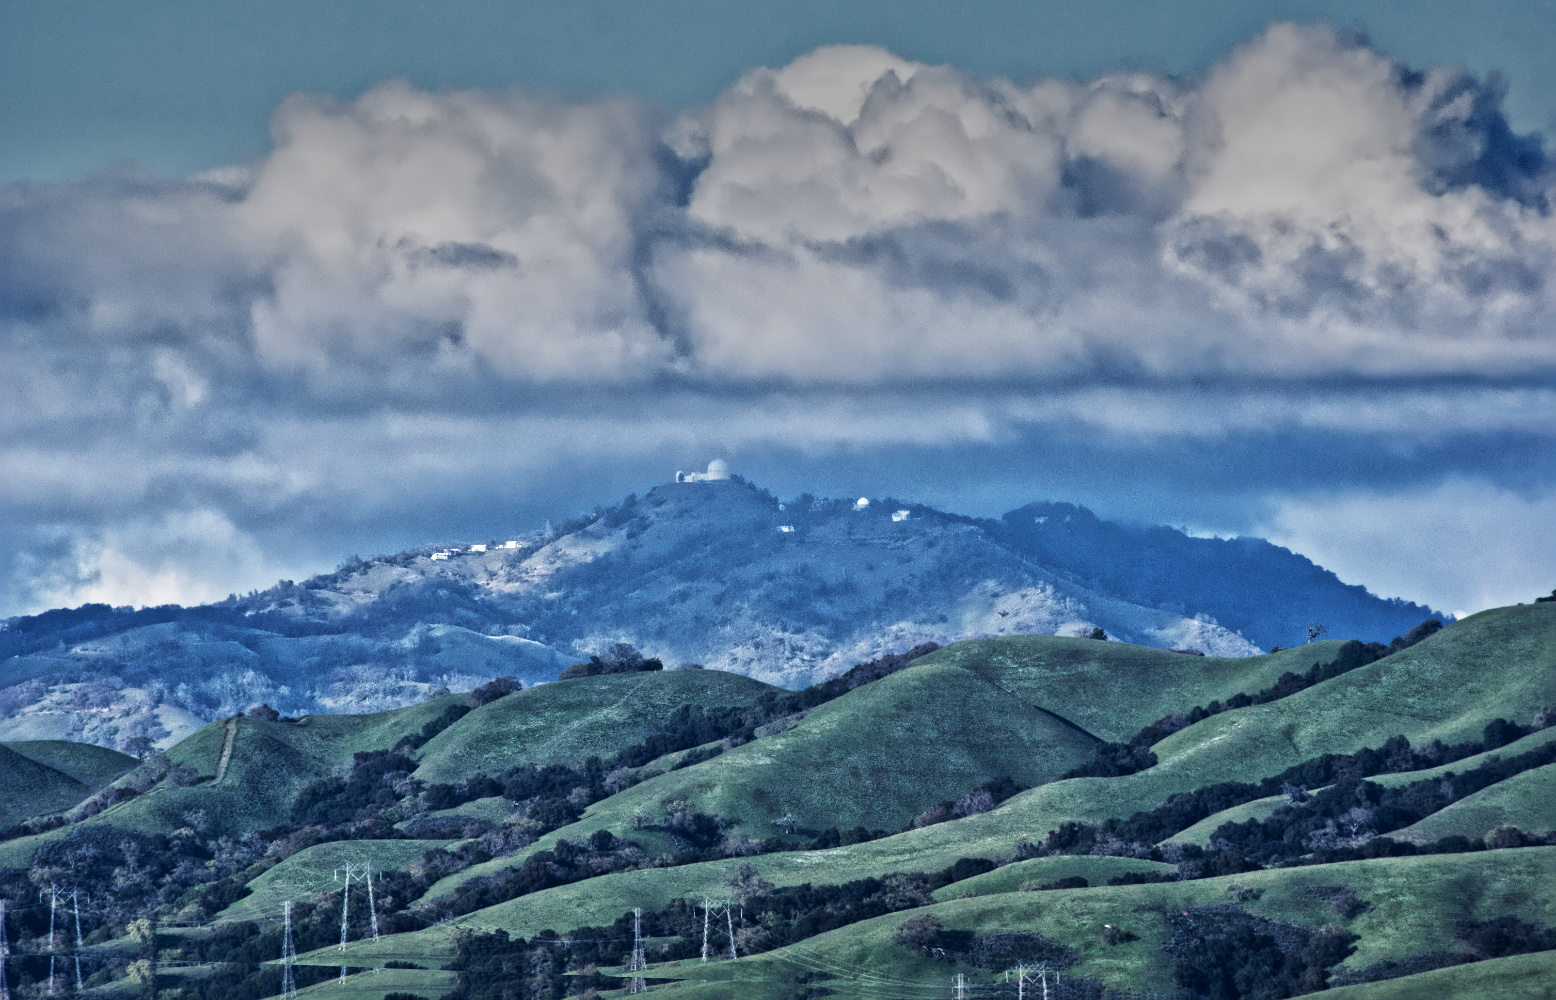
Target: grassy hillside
x,y
1415,901
33,789
570,721
1200,833
374,985
1527,801
1415,904
268,763
92,765
312,871
879,743
1533,741
1112,689
1530,809
46,776
1028,709
1517,977
875,757
1022,875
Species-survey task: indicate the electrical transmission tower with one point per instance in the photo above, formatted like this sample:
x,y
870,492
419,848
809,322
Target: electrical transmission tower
x,y
53,905
961,987
639,964
372,908
75,906
288,956
726,908
5,953
359,873
1021,980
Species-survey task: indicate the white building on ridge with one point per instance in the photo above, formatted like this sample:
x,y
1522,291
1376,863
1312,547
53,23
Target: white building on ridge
x,y
718,469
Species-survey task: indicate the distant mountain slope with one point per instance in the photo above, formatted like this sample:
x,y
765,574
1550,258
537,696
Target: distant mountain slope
x,y
719,573
1164,568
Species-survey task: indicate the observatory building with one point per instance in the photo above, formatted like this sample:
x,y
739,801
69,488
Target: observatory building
x,y
718,469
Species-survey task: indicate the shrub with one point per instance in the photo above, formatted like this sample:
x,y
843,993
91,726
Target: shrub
x,y
182,775
493,689
918,933
1227,953
1112,935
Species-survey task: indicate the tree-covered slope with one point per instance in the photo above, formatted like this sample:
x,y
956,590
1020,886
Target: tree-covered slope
x,y
1342,813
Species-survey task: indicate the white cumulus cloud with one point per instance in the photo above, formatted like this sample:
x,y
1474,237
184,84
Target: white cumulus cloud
x,y
1309,246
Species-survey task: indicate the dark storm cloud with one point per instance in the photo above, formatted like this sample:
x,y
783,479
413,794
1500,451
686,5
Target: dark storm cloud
x,y
1252,294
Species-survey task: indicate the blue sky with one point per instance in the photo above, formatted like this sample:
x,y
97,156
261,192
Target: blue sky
x,y
282,283
182,85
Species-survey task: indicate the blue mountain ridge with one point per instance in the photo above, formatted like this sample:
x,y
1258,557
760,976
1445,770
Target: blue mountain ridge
x,y
717,573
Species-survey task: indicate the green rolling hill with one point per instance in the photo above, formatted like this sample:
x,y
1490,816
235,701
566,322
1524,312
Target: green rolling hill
x,y
1414,904
882,753
46,776
92,765
568,722
1418,693
1112,690
1527,801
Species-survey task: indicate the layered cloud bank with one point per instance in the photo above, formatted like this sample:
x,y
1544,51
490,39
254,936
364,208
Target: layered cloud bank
x,y
1309,247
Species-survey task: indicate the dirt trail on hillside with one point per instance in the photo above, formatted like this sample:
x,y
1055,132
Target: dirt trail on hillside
x,y
221,765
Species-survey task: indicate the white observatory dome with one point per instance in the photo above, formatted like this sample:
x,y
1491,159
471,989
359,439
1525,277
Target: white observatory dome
x,y
862,504
718,469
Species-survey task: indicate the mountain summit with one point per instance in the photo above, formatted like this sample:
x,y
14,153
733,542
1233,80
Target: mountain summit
x,y
708,570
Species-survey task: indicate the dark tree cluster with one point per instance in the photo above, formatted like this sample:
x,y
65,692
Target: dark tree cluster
x,y
450,715
568,861
1113,760
833,837
1349,813
359,798
998,951
766,918
1341,822
621,658
1349,657
233,955
1225,953
493,689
